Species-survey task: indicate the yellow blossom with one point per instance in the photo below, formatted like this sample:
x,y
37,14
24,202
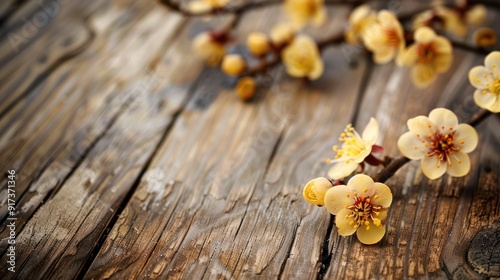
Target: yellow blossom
x,y
355,148
233,64
447,18
360,206
429,55
302,58
440,142
485,37
245,88
208,46
281,34
359,20
203,6
385,38
258,44
315,190
304,11
486,80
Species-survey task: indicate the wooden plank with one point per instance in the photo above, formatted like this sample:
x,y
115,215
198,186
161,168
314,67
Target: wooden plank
x,y
46,137
203,208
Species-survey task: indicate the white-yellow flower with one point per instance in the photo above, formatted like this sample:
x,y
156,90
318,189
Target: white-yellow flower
x,y
355,148
360,206
486,80
302,58
304,11
359,20
210,47
429,55
385,38
440,143
203,6
315,190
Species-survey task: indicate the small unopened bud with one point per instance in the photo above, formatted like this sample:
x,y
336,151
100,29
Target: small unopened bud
x,y
258,44
315,190
245,88
233,65
282,34
485,37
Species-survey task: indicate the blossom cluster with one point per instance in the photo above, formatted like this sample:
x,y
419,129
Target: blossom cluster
x,y
438,141
421,48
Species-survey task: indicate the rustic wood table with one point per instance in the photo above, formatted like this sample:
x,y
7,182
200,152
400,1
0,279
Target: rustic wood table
x,y
135,160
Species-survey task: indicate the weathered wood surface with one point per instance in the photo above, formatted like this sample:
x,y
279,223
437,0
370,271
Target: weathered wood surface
x,y
136,161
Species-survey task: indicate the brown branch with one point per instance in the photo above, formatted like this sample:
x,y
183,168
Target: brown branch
x,y
229,9
387,172
477,119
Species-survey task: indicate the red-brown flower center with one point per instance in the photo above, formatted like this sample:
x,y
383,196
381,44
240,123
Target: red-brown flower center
x,y
363,209
425,53
392,37
442,147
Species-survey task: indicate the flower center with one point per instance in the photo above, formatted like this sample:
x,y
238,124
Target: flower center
x,y
353,143
495,87
425,53
363,210
392,38
442,147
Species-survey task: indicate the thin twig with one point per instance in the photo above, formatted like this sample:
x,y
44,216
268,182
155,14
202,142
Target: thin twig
x,y
229,9
477,119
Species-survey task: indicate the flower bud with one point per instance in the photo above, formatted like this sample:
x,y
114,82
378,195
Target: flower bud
x,y
282,34
246,88
258,44
233,64
485,37
315,190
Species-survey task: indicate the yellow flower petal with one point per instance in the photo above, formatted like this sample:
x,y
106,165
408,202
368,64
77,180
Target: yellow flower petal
x,y
422,75
317,70
421,126
479,77
492,62
424,35
336,198
442,62
466,138
433,168
460,165
412,146
487,100
444,119
362,184
371,132
343,223
342,169
370,234
442,45
382,195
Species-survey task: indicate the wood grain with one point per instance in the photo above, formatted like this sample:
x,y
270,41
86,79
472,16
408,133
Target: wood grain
x,y
137,161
